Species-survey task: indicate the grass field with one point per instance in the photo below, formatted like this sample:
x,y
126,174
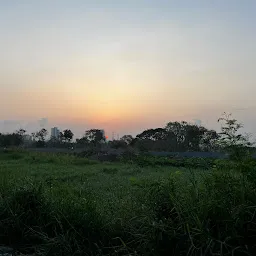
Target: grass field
x,y
63,205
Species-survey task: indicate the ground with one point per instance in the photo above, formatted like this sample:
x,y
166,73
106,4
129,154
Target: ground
x,y
116,191
56,204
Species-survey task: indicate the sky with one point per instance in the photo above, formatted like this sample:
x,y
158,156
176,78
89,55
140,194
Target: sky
x,y
126,66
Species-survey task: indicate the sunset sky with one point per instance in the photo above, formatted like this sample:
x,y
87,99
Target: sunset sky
x,y
126,66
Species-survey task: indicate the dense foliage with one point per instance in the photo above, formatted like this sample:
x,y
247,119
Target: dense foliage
x,y
176,136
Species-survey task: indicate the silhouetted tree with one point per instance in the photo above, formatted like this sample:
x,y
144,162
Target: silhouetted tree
x,y
33,135
61,137
68,135
179,131
153,134
7,140
209,141
127,139
193,135
176,136
151,139
235,143
118,144
21,132
188,136
94,136
82,141
40,137
134,141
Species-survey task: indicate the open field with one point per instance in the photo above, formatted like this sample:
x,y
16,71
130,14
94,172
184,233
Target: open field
x,y
64,205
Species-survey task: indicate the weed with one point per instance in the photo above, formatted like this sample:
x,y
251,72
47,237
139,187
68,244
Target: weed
x,y
63,205
110,170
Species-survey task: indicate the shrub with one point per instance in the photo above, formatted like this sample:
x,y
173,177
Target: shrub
x,y
236,144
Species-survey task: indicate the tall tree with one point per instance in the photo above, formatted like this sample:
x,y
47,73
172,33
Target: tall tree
x,y
155,139
193,135
179,132
235,143
68,135
13,139
94,136
21,132
33,135
40,137
209,141
153,134
61,137
82,141
127,139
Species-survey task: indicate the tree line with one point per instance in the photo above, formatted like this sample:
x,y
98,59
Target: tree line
x,y
174,137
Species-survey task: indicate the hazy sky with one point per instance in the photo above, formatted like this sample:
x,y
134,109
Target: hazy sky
x,y
125,66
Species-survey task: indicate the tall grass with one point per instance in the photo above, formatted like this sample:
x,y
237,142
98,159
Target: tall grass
x,y
213,216
84,208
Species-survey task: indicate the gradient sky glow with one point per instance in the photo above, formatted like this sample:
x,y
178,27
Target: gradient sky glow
x,y
126,66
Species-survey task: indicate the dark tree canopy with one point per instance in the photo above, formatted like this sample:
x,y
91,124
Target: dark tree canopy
x,y
40,137
117,144
153,134
94,136
127,139
175,136
7,140
21,132
68,135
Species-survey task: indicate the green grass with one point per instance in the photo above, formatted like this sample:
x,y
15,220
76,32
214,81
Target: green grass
x,y
63,205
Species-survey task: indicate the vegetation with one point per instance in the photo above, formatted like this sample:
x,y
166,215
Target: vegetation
x,y
55,204
175,136
93,136
7,140
232,141
60,204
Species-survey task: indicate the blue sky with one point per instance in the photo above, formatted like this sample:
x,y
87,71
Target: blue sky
x,y
127,65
